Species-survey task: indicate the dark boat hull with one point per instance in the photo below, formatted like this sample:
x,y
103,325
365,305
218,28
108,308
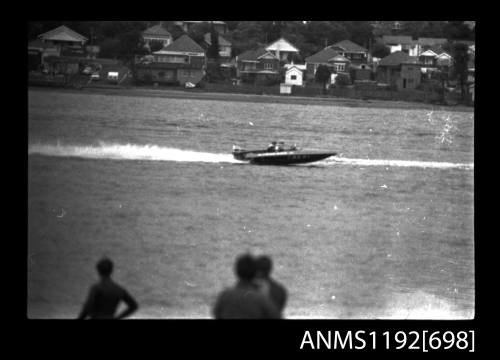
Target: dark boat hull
x,y
264,157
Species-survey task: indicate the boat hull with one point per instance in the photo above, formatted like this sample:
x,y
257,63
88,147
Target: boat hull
x,y
264,157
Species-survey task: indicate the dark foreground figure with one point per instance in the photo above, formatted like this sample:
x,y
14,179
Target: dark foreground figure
x,y
269,286
244,300
105,296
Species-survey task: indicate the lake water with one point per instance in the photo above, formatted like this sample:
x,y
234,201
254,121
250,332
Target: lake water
x,y
384,230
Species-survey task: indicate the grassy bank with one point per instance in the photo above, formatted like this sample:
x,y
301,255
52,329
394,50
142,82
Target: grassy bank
x,y
201,94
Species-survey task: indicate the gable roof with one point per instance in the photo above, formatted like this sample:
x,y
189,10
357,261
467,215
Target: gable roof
x,y
429,52
222,41
183,44
339,58
254,55
156,30
397,58
62,33
322,56
349,46
399,39
282,45
295,68
298,66
444,55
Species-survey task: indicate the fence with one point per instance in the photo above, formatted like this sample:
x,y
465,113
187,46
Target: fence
x,y
243,88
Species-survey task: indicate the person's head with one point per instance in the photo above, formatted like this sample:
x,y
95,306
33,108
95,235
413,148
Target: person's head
x,y
104,267
245,267
264,266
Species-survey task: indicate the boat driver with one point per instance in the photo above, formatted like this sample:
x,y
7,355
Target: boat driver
x,y
272,147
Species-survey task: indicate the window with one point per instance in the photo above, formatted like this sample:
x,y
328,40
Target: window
x,y
268,66
339,67
293,77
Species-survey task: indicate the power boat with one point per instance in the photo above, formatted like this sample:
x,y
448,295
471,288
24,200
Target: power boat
x,y
278,154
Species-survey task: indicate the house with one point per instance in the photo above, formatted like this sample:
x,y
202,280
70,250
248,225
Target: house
x,y
352,51
68,41
225,46
258,65
401,43
294,74
38,51
444,60
220,26
424,44
329,57
180,62
283,50
157,33
400,70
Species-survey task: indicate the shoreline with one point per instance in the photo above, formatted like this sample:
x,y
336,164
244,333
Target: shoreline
x,y
276,99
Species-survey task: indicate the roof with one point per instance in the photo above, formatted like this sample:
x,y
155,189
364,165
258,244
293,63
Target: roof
x,y
399,39
62,33
214,22
339,58
349,46
444,55
183,44
322,56
253,55
429,52
397,58
281,45
222,41
431,41
298,66
156,30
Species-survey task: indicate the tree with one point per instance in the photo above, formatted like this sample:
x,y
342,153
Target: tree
x,y
323,75
380,50
458,30
213,49
360,32
198,31
442,77
342,80
460,54
155,45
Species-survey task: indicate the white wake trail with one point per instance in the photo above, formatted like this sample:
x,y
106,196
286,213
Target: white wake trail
x,y
400,163
129,152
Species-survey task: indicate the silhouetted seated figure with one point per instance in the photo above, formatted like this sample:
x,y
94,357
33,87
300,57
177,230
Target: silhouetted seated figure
x,y
244,300
276,291
105,296
272,147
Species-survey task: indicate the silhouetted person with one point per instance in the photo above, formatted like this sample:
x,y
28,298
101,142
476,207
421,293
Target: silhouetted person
x,y
105,296
276,291
244,300
273,146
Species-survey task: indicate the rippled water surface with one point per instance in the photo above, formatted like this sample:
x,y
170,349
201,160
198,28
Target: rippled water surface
x,y
384,230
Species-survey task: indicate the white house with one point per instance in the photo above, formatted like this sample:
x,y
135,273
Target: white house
x,y
281,48
294,75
